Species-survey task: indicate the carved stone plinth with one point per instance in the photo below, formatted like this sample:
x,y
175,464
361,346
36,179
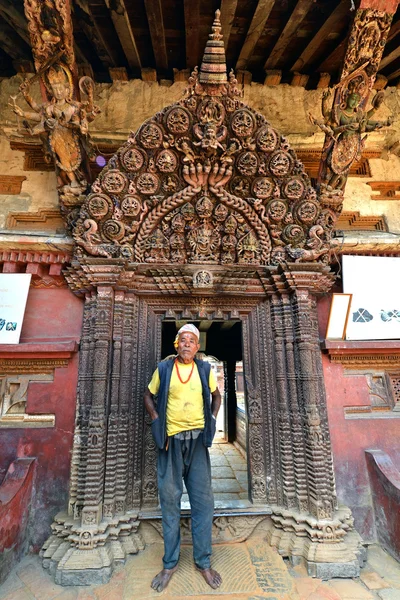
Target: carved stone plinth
x,y
87,555
330,547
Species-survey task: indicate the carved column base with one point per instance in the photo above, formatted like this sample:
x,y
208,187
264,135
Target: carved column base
x,y
77,555
330,547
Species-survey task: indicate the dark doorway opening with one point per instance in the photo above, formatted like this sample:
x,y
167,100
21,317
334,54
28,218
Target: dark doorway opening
x,y
221,345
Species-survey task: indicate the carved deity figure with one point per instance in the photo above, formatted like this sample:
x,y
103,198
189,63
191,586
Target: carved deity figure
x,y
203,241
345,123
61,123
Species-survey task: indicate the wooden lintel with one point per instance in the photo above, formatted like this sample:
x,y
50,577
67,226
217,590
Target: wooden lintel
x,y
226,325
123,28
387,190
300,11
192,16
205,325
157,32
254,32
228,10
328,26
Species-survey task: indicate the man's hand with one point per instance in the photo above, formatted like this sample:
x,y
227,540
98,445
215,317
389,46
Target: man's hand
x,y
149,405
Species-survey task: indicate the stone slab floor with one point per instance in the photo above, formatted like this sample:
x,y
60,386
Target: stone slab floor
x,y
251,571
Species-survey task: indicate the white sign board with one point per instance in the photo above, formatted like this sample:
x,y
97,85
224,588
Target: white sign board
x,y
374,282
14,289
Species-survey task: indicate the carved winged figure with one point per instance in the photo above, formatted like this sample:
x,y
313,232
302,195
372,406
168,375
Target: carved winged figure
x,y
345,123
61,123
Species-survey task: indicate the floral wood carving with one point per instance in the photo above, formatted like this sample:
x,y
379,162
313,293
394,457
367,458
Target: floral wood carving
x,y
206,180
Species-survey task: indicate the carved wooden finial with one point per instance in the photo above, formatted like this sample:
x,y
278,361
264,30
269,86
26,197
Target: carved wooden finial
x,y
213,66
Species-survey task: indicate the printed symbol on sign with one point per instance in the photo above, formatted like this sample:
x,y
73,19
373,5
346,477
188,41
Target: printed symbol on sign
x,y
2,323
362,316
390,315
11,326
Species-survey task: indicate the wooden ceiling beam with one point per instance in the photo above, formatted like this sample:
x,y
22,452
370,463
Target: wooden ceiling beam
x,y
300,11
12,44
157,32
394,75
228,10
192,15
386,60
254,32
329,25
100,37
335,57
124,31
15,19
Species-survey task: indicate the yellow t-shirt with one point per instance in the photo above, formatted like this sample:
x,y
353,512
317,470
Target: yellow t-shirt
x,y
185,408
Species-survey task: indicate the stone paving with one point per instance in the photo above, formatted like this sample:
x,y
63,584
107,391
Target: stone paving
x,y
251,570
229,477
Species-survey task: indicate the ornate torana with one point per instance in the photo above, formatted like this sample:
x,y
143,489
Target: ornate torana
x,y
206,180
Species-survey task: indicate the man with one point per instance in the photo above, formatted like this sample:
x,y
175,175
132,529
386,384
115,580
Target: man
x,y
183,426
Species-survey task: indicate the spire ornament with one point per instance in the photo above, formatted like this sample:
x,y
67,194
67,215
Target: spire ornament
x,y
213,66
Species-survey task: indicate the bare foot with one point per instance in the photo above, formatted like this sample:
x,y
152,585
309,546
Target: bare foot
x,y
161,580
213,578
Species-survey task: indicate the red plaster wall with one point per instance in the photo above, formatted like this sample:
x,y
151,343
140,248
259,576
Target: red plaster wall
x,y
52,315
351,437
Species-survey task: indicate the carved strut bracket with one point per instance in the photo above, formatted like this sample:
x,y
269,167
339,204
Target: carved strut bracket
x,y
346,120
61,121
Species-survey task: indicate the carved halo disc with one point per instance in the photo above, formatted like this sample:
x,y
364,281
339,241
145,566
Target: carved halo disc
x,y
243,123
147,183
177,120
306,212
150,135
276,210
166,161
263,187
99,205
113,181
293,188
267,139
132,159
247,163
131,205
280,163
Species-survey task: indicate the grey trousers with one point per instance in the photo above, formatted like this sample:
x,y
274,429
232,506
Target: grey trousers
x,y
189,461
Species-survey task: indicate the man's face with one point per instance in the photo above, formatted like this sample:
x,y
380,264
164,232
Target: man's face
x,y
187,346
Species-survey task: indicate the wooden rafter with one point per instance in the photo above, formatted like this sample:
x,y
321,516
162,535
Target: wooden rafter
x,y
192,14
254,32
123,28
389,58
228,10
101,33
12,44
15,19
300,11
157,32
329,25
335,57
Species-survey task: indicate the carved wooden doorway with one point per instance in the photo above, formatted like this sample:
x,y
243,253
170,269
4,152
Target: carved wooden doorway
x,y
205,213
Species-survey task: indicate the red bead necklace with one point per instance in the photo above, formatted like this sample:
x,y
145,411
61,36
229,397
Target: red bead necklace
x,y
179,375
